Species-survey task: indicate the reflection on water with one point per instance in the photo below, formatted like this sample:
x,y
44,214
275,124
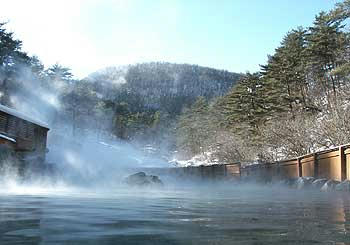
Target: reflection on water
x,y
200,215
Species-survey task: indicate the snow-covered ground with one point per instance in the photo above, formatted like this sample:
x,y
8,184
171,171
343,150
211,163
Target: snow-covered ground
x,y
204,159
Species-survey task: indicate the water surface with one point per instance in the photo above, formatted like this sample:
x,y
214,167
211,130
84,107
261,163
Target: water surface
x,y
198,214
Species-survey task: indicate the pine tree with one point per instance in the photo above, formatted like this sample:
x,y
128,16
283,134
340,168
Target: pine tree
x,y
192,128
325,42
12,58
245,105
286,71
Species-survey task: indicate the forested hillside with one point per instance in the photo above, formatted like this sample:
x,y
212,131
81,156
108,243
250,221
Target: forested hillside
x,y
161,86
139,102
297,103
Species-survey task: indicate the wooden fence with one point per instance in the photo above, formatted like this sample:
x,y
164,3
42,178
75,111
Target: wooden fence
x,y
212,172
330,164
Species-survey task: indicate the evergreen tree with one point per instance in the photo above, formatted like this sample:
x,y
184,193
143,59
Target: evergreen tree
x,y
59,73
192,128
12,58
245,104
286,72
325,44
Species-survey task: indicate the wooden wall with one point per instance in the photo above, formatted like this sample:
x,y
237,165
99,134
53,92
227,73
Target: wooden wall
x,y
212,172
30,139
330,164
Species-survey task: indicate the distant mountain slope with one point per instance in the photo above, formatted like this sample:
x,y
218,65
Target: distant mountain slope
x,y
161,86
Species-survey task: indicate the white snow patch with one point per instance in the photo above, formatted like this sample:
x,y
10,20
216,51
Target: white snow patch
x,y
204,159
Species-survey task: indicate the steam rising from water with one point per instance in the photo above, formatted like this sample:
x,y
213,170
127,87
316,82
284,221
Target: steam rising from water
x,y
97,163
79,161
91,167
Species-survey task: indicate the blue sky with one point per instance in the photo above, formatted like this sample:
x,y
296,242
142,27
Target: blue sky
x,y
87,35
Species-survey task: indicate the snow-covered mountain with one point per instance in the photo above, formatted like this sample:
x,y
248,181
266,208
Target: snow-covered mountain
x,y
162,86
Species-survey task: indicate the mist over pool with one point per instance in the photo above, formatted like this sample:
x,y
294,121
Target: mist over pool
x,y
202,213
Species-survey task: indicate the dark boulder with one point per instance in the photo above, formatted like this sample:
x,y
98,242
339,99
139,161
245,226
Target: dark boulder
x,y
137,179
142,179
155,179
318,183
343,186
329,185
304,182
289,182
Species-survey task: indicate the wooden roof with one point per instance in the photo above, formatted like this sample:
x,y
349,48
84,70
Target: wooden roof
x,y
22,116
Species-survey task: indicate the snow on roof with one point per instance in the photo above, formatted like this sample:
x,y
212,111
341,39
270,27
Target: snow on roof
x,y
18,114
7,138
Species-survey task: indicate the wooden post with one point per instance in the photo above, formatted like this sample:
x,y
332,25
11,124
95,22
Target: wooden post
x,y
7,124
201,172
300,167
240,167
315,165
347,163
342,163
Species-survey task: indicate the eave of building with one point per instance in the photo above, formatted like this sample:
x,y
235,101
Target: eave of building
x,y
2,136
22,116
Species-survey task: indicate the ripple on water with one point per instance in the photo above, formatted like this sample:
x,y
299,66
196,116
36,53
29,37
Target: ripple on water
x,y
187,216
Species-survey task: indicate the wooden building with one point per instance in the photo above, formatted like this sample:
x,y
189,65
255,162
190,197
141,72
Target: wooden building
x,y
25,136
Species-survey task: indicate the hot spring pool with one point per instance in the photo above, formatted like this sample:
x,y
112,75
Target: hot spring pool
x,y
200,214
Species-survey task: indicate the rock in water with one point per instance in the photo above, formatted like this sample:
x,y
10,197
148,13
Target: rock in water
x,y
155,180
329,185
142,179
318,183
343,186
304,182
137,179
292,182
